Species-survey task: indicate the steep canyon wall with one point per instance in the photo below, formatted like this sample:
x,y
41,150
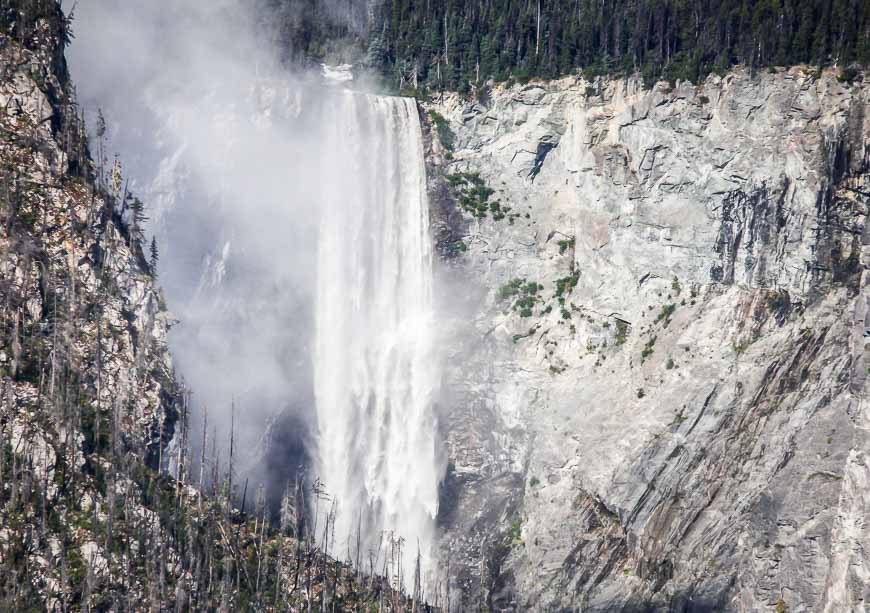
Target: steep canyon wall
x,y
663,405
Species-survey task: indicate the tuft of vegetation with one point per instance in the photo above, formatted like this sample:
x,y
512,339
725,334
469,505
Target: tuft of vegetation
x,y
740,346
474,197
457,247
565,286
679,418
518,286
621,331
648,349
665,314
445,133
640,392
565,245
516,532
524,295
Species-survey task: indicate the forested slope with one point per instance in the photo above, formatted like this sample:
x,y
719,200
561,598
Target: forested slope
x,y
456,44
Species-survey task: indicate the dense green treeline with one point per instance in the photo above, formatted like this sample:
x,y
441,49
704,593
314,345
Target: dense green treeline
x,y
456,43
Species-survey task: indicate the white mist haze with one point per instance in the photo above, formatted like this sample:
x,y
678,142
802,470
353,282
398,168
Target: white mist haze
x,y
212,137
292,224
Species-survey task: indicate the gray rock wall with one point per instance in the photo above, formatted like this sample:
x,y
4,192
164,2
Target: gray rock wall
x,y
677,418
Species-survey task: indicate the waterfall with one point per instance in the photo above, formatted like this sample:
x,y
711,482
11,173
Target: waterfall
x,y
375,369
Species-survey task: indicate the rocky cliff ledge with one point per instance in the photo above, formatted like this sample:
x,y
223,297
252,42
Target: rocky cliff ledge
x,y
664,402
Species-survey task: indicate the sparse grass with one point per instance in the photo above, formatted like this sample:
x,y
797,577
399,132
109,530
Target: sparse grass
x,y
741,345
516,531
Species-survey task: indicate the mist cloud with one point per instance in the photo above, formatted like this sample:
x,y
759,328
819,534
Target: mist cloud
x,y
222,144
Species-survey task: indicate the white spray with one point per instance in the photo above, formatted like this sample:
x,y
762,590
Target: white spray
x,y
375,369
194,94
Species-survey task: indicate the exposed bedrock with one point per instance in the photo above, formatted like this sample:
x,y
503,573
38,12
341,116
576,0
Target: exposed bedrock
x,y
661,399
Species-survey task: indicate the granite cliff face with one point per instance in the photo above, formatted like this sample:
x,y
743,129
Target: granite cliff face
x,y
661,404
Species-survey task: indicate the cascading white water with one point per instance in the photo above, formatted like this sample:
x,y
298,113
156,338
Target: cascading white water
x,y
240,142
375,369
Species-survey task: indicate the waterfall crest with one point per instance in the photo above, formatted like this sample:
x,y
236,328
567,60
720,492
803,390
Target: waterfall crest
x,y
375,369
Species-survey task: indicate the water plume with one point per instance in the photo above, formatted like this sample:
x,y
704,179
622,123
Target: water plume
x,y
375,368
293,226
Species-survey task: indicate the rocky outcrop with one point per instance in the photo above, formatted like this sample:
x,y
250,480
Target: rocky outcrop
x,y
87,381
664,403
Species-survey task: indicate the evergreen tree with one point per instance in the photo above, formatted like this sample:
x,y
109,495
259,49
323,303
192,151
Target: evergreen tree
x,y
154,257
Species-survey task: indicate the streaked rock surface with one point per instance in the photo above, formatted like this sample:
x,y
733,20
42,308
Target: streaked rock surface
x,y
688,431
